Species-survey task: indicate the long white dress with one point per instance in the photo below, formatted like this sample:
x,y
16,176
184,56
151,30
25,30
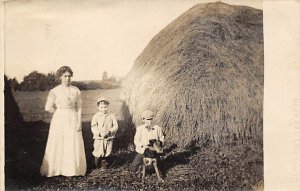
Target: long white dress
x,y
64,154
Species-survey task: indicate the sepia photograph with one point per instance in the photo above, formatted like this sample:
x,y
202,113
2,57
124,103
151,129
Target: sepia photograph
x,y
134,95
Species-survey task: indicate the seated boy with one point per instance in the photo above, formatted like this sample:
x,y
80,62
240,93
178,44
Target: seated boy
x,y
143,134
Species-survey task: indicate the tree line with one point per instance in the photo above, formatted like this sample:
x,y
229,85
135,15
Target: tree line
x,y
36,81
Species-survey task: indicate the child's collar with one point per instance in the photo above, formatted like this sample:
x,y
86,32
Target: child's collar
x,y
99,113
149,127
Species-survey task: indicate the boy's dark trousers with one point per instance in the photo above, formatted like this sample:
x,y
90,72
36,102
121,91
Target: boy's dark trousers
x,y
103,161
136,163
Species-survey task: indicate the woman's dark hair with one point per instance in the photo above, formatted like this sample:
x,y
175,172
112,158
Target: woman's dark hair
x,y
62,70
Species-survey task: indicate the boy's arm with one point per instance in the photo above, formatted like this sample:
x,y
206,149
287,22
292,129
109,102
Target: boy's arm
x,y
115,126
138,138
161,136
94,127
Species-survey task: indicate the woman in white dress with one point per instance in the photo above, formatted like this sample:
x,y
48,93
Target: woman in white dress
x,y
64,154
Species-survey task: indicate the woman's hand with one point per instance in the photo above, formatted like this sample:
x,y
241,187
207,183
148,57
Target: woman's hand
x,y
50,109
78,125
107,134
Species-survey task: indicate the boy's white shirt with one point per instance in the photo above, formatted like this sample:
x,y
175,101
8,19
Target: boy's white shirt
x,y
97,128
143,135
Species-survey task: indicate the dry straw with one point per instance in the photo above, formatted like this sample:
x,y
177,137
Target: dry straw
x,y
203,76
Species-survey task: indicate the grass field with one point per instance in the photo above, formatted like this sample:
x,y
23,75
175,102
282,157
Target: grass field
x,y
32,104
228,167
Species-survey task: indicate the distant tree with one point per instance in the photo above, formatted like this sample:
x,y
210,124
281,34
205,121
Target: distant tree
x,y
36,81
13,84
33,81
80,84
51,81
104,76
113,79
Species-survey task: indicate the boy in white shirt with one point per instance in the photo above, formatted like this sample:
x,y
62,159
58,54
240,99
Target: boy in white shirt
x,y
104,127
143,134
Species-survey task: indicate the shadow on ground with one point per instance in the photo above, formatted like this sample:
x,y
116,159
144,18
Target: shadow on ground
x,y
205,168
25,150
22,169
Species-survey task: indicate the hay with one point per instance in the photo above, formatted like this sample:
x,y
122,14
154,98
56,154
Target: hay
x,y
203,76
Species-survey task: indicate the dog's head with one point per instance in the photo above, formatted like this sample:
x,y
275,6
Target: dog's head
x,y
156,145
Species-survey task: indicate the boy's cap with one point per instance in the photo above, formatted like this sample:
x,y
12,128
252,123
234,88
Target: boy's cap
x,y
102,99
147,114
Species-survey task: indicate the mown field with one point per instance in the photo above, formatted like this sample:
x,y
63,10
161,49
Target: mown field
x,y
202,167
32,104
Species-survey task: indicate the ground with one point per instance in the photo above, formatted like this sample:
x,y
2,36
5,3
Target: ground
x,y
203,167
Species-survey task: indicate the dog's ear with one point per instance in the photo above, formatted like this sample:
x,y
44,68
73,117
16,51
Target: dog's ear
x,y
159,143
151,142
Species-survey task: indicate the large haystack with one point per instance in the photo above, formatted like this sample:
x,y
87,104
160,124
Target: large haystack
x,y
203,76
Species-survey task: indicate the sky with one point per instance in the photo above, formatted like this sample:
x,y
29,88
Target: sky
x,y
90,36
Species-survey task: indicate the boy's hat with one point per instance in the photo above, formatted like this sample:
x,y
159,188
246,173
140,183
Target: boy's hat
x,y
147,114
102,99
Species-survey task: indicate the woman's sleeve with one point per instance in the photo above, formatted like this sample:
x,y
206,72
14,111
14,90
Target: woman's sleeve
x,y
115,126
79,100
50,103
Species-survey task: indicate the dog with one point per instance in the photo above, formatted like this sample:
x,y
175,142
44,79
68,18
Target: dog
x,y
151,156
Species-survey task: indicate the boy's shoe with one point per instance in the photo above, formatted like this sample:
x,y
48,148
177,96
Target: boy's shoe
x,y
104,165
94,172
137,171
